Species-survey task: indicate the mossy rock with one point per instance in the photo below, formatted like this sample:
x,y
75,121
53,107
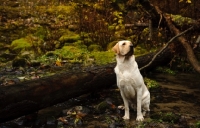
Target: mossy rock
x,y
71,53
60,9
21,62
28,43
166,117
94,47
87,41
102,58
6,56
69,37
27,54
20,44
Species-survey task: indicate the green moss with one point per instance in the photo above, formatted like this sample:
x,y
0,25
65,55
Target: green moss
x,y
28,43
69,37
67,9
151,83
70,52
94,47
166,117
61,9
180,20
165,70
78,53
20,44
139,50
41,32
102,58
79,44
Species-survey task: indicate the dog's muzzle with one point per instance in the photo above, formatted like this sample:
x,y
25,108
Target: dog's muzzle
x,y
131,52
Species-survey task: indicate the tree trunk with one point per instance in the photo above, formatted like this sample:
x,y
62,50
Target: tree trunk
x,y
27,97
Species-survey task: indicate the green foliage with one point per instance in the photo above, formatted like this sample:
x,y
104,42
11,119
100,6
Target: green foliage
x,y
140,50
145,33
165,70
151,83
118,20
197,124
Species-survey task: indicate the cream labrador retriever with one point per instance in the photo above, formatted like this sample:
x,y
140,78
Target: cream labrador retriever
x,y
130,81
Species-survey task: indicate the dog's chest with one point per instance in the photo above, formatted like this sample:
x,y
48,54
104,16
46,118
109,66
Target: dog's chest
x,y
128,75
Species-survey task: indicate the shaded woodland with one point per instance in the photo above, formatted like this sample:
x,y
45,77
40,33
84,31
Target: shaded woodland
x,y
41,38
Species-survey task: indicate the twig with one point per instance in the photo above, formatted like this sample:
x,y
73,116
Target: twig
x,y
160,21
154,57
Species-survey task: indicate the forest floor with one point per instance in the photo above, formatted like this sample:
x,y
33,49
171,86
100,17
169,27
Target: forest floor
x,y
175,104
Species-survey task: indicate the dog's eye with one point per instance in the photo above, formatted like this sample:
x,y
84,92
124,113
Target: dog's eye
x,y
123,43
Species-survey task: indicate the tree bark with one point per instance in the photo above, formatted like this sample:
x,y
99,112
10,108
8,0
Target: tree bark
x,y
27,97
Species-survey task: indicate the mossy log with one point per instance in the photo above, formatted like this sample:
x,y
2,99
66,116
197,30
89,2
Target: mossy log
x,y
27,97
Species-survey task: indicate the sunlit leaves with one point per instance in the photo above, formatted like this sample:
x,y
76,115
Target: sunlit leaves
x,y
187,1
58,62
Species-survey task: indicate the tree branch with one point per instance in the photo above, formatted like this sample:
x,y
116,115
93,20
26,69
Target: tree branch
x,y
190,53
154,57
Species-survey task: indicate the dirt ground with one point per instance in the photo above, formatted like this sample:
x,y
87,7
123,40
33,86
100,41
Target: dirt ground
x,y
175,104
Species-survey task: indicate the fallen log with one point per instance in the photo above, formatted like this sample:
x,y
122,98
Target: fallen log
x,y
29,96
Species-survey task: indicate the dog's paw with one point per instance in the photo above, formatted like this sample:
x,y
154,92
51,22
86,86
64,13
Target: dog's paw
x,y
140,118
125,117
144,113
121,107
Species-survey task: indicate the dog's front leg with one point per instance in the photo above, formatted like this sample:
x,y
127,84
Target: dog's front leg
x,y
126,107
139,105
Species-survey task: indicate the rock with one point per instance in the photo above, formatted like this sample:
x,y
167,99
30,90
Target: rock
x,y
5,57
19,62
35,64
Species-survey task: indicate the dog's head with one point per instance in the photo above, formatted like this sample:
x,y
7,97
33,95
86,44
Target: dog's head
x,y
124,48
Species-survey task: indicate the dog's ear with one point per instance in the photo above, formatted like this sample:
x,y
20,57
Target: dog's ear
x,y
116,48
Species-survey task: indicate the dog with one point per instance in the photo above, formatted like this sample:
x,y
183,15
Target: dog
x,y
130,81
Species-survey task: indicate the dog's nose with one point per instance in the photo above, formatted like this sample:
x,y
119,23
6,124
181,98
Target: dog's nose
x,y
131,45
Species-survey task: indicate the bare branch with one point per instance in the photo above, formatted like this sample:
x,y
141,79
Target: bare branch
x,y
154,57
